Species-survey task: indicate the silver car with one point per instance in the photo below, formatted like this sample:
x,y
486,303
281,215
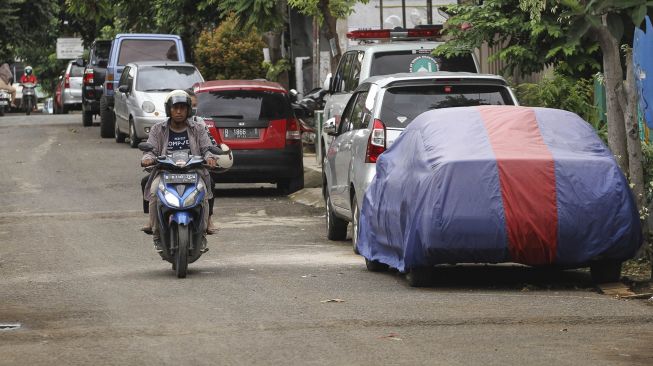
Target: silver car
x,y
71,88
139,100
378,111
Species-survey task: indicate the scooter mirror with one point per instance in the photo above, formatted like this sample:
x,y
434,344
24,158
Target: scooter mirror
x,y
145,147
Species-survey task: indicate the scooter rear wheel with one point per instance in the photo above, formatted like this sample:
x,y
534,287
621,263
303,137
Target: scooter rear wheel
x,y
180,241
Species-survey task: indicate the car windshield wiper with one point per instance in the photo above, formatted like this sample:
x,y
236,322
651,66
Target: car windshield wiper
x,y
158,90
230,116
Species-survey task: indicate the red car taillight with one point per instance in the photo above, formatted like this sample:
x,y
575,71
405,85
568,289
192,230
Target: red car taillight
x,y
66,81
376,143
293,134
88,77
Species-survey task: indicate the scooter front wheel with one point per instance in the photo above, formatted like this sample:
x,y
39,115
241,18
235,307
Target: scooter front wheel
x,y
180,241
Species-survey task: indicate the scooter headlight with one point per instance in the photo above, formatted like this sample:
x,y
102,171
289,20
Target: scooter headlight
x,y
190,200
171,199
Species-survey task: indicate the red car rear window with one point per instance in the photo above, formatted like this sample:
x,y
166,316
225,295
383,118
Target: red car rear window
x,y
245,105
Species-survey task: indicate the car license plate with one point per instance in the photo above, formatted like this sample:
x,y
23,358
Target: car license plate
x,y
169,178
240,133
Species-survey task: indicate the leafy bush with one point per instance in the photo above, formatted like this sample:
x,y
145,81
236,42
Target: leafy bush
x,y
564,92
228,52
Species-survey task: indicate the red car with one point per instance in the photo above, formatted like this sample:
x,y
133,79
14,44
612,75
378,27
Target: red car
x,y
256,120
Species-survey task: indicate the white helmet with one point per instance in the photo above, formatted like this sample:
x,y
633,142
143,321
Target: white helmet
x,y
224,161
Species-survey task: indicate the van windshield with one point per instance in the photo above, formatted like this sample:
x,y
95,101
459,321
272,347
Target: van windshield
x,y
133,50
386,63
402,104
166,78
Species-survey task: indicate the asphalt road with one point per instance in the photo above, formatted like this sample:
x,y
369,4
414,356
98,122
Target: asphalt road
x,y
86,287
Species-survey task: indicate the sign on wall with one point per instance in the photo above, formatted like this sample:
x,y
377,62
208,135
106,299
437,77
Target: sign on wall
x,y
69,48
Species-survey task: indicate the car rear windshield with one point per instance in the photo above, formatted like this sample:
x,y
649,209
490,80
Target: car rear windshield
x,y
242,104
402,104
166,78
386,63
132,50
76,71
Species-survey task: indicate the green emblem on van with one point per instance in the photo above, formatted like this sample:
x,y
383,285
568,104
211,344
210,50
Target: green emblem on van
x,y
423,64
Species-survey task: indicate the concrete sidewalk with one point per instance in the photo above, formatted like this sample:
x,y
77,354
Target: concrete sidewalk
x,y
311,195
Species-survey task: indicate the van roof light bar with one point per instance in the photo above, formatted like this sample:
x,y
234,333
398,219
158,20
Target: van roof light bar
x,y
397,33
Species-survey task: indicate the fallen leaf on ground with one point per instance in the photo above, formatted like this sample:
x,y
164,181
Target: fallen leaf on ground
x,y
392,336
332,300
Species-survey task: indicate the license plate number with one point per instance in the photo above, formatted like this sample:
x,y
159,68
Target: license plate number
x,y
241,133
4,102
179,178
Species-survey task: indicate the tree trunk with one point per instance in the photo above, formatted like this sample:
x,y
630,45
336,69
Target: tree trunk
x,y
634,144
613,73
330,31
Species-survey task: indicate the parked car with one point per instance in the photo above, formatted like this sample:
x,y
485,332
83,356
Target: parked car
x,y
70,88
377,113
495,184
127,48
94,73
140,98
257,122
395,52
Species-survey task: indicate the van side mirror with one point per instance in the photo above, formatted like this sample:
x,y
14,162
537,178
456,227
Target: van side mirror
x,y
327,83
330,126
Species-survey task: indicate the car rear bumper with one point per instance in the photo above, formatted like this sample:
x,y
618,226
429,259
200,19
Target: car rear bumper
x,y
264,166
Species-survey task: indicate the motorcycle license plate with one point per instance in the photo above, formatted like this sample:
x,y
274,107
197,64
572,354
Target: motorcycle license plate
x,y
240,133
170,178
4,102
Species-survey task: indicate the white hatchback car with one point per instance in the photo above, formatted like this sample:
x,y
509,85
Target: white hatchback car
x,y
378,111
140,97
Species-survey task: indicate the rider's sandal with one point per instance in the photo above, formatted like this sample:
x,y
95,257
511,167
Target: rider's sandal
x,y
147,230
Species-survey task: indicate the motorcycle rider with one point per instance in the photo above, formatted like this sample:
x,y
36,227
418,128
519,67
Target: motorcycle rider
x,y
5,82
28,76
178,132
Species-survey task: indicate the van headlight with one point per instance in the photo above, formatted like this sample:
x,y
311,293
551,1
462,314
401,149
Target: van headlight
x,y
148,107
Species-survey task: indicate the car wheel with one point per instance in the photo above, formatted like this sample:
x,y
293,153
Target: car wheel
x,y
133,140
291,185
120,137
418,277
64,109
87,118
336,227
106,119
605,271
355,217
375,266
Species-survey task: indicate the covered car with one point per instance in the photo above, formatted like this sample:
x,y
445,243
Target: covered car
x,y
493,184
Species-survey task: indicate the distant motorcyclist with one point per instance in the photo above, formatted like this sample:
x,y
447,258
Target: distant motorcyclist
x,y
178,132
6,77
28,76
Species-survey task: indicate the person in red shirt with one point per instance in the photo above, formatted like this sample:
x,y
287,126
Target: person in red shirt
x,y
28,76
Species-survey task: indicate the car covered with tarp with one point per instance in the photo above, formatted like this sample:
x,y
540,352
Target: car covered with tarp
x,y
495,184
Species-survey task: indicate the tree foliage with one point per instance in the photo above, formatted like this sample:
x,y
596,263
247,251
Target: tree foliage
x,y
265,15
227,52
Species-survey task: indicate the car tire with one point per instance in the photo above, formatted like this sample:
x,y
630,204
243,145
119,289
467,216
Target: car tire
x,y
87,118
375,266
418,277
120,137
106,119
291,185
133,140
605,271
355,217
336,227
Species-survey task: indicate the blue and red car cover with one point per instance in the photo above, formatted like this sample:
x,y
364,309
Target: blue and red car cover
x,y
494,184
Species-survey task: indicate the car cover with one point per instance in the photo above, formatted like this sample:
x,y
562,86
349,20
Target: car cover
x,y
495,184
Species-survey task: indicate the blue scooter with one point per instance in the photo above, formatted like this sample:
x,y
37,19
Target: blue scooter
x,y
180,214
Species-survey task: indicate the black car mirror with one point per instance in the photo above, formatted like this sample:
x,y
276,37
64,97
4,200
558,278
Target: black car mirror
x,y
145,147
123,89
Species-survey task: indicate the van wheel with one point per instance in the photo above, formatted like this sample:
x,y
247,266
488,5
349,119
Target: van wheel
x,y
336,227
106,119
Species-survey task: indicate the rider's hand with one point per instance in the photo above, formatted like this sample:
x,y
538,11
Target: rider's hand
x,y
211,162
147,162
